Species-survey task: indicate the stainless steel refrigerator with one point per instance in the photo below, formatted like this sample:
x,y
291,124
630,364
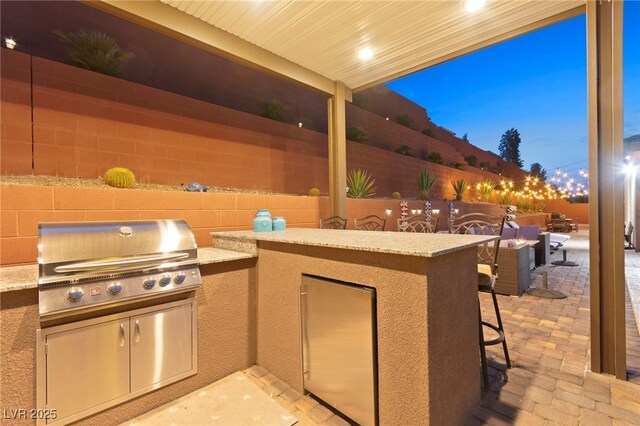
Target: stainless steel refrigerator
x,y
339,346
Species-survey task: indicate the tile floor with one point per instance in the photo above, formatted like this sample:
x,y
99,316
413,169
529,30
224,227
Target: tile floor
x,y
550,382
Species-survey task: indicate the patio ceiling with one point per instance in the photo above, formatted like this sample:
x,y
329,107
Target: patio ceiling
x,y
324,37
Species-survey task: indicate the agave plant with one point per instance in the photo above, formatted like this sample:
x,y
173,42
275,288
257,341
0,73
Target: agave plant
x,y
95,51
425,183
485,188
360,184
459,187
504,200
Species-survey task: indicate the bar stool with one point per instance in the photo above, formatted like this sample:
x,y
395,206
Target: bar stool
x,y
483,224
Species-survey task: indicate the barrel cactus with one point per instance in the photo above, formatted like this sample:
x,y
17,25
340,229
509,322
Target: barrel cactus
x,y
314,192
396,195
120,177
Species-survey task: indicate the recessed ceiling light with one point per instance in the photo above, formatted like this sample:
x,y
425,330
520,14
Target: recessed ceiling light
x,y
365,53
473,5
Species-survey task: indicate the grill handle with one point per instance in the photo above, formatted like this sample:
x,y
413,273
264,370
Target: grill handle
x,y
137,261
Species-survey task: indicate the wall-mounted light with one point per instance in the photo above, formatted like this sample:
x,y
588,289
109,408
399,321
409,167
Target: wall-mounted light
x,y
10,43
435,211
388,211
300,124
627,157
418,211
413,211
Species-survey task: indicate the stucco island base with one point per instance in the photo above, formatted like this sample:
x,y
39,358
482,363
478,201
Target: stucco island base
x,y
428,359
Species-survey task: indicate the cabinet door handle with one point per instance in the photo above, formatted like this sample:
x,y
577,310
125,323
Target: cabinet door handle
x,y
122,335
137,332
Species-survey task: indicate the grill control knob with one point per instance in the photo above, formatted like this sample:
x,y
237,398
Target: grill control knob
x,y
179,279
74,294
149,283
114,288
165,280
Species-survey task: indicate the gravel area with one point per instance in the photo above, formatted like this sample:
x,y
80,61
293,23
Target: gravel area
x,y
99,183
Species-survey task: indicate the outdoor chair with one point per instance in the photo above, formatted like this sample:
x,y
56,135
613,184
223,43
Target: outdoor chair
x,y
482,224
417,224
628,234
334,222
560,225
370,223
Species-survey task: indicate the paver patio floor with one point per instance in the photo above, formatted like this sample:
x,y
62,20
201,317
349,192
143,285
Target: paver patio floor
x,y
548,339
550,382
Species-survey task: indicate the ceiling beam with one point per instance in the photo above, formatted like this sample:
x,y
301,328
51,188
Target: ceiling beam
x,y
176,24
571,13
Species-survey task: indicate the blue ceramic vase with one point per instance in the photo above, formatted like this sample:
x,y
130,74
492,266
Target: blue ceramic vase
x,y
279,224
262,222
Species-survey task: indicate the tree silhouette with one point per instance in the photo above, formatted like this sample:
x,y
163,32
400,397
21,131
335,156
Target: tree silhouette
x,y
537,170
510,147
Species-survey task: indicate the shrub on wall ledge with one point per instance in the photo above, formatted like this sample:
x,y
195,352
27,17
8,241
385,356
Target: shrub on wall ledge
x,y
357,134
471,160
436,157
95,51
360,184
314,192
405,150
405,120
360,100
274,110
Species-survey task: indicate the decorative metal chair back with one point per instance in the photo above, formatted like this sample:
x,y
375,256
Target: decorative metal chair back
x,y
481,224
417,224
370,223
334,222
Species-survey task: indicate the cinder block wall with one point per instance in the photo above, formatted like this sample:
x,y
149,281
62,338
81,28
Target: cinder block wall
x,y
84,123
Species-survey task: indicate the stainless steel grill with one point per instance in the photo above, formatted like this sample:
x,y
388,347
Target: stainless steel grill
x,y
87,264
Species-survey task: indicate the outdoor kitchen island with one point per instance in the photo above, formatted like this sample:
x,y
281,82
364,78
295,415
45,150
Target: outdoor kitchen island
x,y
428,368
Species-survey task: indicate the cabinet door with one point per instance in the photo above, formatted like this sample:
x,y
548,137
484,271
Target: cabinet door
x,y
161,346
87,366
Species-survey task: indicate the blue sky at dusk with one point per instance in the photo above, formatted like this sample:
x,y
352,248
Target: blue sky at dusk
x,y
535,83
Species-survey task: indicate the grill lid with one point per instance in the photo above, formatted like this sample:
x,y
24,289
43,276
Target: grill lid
x,y
70,252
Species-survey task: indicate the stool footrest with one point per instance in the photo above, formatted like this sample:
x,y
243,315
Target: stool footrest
x,y
498,339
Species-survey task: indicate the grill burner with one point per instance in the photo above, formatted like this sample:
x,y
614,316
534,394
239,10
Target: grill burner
x,y
88,264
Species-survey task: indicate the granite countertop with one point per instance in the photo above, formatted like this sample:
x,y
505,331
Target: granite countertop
x,y
23,277
412,244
